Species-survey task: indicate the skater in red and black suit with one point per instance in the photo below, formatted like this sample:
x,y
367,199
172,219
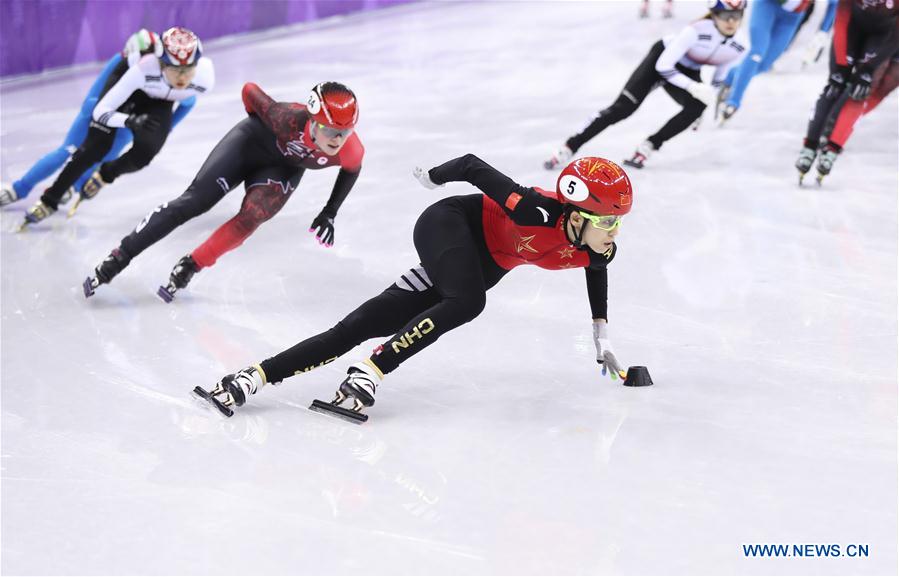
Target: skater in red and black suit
x,y
269,151
467,244
884,80
864,36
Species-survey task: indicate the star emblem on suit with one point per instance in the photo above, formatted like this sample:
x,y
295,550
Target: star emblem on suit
x,y
524,243
567,252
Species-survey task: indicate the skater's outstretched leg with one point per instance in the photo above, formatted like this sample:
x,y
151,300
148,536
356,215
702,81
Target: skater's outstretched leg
x,y
638,86
268,190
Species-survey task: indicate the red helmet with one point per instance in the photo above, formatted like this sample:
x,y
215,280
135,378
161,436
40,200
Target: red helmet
x,y
180,47
595,185
334,105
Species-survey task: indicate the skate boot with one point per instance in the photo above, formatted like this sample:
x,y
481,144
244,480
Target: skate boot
x,y
825,163
644,10
185,270
106,271
233,390
642,153
723,93
562,155
89,190
93,185
8,195
805,161
67,195
36,213
667,11
361,382
727,112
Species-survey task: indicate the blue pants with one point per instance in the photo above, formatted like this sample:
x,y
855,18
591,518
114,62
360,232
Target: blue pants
x,y
54,160
770,30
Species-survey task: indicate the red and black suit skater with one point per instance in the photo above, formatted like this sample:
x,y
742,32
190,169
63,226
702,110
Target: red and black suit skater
x,y
865,35
466,245
268,151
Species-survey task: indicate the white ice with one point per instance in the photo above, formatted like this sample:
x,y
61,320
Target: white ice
x,y
766,313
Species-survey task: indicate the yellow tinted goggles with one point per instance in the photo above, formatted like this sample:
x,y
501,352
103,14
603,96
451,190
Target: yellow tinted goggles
x,y
603,222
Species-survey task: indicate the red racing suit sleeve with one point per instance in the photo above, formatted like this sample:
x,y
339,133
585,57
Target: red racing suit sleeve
x,y
285,119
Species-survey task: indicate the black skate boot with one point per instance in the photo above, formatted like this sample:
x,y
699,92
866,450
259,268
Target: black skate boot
x,y
805,161
360,384
185,270
112,265
233,390
825,162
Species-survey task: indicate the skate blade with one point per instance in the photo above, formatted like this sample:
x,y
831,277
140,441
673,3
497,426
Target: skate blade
x,y
89,286
22,227
207,396
165,294
339,412
74,208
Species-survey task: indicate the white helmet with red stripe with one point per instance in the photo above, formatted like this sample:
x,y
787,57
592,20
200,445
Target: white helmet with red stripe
x,y
716,6
180,47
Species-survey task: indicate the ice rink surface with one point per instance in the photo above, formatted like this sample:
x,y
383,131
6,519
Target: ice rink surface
x,y
766,313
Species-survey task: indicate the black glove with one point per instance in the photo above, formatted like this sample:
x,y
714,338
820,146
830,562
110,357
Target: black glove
x,y
836,83
324,222
860,86
142,122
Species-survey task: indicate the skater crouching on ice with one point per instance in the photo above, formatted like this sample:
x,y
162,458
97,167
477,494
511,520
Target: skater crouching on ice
x,y
865,34
467,244
673,63
140,44
140,99
268,151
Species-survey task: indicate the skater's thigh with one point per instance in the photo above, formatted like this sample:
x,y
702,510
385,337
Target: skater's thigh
x,y
388,312
681,96
645,77
283,176
761,26
268,190
234,158
122,139
448,249
78,131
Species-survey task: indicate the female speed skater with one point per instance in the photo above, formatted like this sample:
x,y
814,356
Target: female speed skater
x,y
673,63
140,43
884,80
773,23
268,152
467,244
141,98
865,35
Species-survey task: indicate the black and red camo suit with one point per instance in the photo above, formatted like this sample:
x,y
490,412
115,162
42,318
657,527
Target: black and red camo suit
x,y
269,151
